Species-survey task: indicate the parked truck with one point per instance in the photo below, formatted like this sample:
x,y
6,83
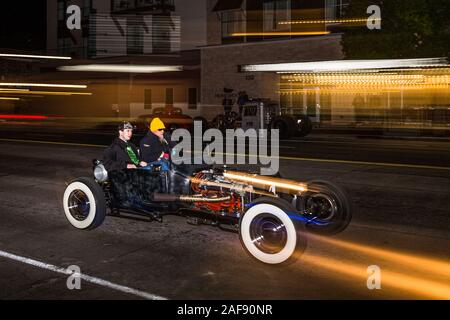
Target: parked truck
x,y
264,114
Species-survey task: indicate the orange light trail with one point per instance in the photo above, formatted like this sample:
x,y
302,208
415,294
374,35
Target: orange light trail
x,y
45,85
256,34
432,265
47,93
418,286
327,21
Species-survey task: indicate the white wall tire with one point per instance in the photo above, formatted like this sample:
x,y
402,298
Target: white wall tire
x,y
285,245
84,204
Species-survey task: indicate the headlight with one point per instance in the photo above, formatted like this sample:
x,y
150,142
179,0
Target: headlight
x,y
100,173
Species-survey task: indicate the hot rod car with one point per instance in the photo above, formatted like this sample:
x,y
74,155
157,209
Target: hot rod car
x,y
272,215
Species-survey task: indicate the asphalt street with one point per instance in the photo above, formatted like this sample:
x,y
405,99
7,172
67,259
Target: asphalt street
x,y
416,151
401,224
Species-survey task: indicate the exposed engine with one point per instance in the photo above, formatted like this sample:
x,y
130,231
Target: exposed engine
x,y
216,194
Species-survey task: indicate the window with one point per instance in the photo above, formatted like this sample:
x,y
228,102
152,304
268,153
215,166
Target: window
x,y
283,13
135,38
269,18
64,46
169,97
85,47
276,12
232,22
147,99
162,28
61,10
192,98
335,9
87,6
311,105
250,110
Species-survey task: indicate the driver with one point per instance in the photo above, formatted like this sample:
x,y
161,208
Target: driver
x,y
155,145
122,154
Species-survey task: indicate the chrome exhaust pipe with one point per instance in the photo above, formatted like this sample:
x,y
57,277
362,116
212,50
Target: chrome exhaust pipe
x,y
162,197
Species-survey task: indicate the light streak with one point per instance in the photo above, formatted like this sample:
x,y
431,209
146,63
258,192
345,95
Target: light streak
x,y
48,93
44,85
22,116
431,265
8,55
345,65
418,286
326,21
275,33
265,181
121,68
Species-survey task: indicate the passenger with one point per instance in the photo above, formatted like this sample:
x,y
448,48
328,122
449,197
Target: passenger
x,y
155,145
122,154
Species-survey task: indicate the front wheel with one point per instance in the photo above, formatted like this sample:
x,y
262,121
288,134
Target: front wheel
x,y
326,207
84,204
270,234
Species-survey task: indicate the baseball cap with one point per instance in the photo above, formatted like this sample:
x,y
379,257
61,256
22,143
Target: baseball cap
x,y
125,125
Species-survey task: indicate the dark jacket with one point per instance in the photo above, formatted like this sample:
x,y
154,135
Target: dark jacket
x,y
116,157
152,148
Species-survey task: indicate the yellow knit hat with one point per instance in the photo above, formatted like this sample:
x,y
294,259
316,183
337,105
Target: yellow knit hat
x,y
157,124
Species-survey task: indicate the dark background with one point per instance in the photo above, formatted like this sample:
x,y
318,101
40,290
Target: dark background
x,y
23,25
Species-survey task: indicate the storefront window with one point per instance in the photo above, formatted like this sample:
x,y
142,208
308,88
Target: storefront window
x,y
169,97
147,99
192,98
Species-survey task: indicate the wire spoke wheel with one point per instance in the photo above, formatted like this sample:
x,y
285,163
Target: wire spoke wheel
x,y
321,206
327,207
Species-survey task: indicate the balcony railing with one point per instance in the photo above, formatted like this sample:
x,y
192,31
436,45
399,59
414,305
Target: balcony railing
x,y
130,6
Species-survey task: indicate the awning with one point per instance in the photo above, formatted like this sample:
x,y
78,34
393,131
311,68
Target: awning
x,y
223,5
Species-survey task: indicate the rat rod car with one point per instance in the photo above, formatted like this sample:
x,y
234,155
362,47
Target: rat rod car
x,y
272,215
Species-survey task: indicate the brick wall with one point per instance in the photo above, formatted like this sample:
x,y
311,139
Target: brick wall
x,y
220,66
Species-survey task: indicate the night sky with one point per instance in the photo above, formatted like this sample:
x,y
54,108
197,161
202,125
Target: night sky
x,y
23,24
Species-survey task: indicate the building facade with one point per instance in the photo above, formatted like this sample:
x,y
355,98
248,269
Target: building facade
x,y
252,32
212,40
247,32
125,27
129,32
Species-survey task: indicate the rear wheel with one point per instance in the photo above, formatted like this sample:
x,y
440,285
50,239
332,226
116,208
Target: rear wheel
x,y
84,204
269,233
327,207
285,125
